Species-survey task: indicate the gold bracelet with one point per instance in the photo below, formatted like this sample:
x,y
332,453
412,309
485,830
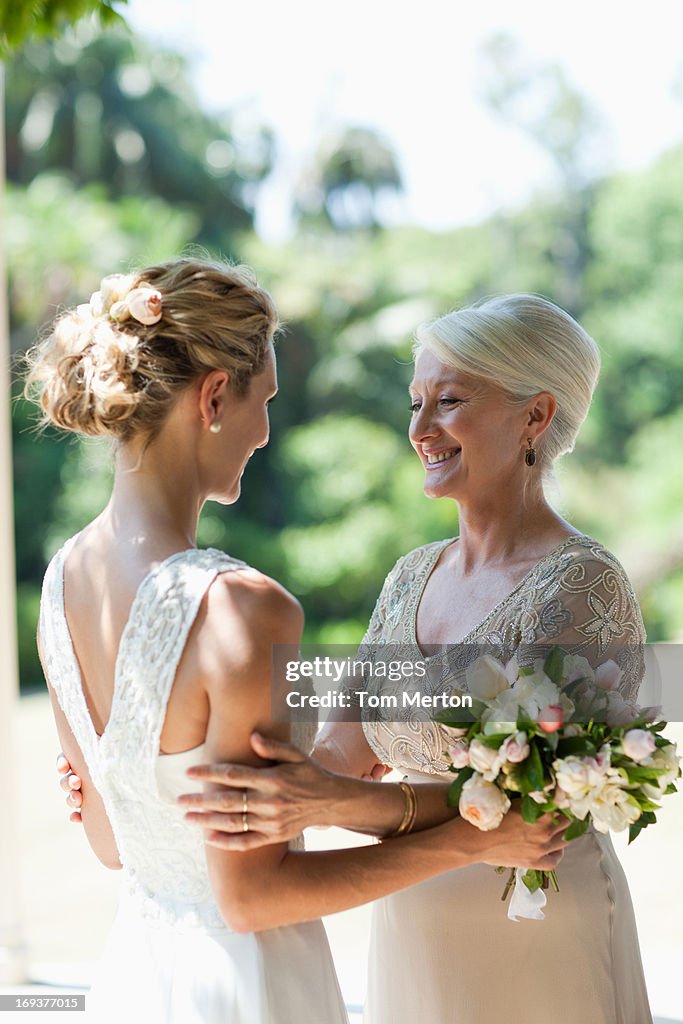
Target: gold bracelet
x,y
409,811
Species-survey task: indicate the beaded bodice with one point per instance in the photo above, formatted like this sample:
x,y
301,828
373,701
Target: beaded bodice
x,y
577,596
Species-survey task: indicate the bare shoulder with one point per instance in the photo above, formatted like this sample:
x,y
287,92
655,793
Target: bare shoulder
x,y
242,616
256,600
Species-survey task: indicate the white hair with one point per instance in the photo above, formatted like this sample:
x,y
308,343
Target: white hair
x,y
523,344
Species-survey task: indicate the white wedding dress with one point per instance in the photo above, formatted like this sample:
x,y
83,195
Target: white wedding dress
x,y
170,959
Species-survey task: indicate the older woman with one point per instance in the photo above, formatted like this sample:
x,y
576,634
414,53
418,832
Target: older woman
x,y
499,392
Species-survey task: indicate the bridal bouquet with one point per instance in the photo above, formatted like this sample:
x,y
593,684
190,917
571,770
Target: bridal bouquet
x,y
558,735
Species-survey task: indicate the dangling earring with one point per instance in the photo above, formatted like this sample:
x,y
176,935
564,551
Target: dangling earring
x,y
530,453
215,427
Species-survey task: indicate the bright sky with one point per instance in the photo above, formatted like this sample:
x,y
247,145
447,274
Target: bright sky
x,y
309,66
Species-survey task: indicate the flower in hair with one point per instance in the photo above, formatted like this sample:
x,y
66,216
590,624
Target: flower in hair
x,y
119,311
113,288
144,305
118,300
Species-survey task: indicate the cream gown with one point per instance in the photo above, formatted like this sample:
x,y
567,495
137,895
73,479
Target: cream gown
x,y
169,958
444,951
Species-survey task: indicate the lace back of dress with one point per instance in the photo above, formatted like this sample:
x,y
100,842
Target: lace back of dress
x,y
162,857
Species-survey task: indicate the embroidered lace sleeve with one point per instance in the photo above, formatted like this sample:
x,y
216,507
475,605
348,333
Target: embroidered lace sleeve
x,y
589,609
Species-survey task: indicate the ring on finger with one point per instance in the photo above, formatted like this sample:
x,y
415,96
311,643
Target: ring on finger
x,y
245,811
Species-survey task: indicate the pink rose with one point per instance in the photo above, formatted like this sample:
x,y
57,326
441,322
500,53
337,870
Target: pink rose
x,y
485,759
608,675
482,803
144,305
515,748
459,754
551,718
638,744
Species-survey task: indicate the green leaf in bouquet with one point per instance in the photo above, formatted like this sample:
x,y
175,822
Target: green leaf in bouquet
x,y
533,880
645,803
554,664
640,773
456,787
568,745
531,811
493,740
634,830
531,772
551,740
576,829
455,718
513,782
671,788
526,670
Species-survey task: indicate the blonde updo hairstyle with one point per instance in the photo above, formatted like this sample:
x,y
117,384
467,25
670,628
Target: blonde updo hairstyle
x,y
95,376
523,344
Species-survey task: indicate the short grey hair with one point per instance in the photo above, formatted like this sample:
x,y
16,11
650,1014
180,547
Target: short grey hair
x,y
523,344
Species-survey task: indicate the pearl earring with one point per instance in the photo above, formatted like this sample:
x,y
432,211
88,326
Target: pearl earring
x,y
215,427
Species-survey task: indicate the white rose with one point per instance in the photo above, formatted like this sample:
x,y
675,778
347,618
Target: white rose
x,y
608,675
560,797
581,779
534,692
666,758
459,754
612,807
638,744
502,713
482,803
486,678
145,305
515,748
485,760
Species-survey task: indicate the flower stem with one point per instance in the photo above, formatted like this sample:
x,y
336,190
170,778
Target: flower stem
x,y
508,885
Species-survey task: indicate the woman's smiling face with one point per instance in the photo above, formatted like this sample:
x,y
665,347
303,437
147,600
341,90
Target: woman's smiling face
x,y
467,433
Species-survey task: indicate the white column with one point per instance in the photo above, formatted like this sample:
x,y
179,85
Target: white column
x,y
12,952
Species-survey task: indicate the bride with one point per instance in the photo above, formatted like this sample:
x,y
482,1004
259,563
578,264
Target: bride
x,y
158,655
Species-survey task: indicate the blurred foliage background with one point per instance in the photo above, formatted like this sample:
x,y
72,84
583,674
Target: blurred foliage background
x,y
112,163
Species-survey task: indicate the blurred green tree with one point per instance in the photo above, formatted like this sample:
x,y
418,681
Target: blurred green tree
x,y
22,21
106,107
539,100
353,172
